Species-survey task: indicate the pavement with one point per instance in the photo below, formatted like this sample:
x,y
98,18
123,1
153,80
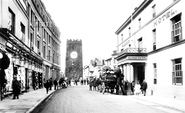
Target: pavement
x,y
28,101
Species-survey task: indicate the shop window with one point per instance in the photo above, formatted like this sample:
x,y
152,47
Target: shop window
x,y
176,29
177,74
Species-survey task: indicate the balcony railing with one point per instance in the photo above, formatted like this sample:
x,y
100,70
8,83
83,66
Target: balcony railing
x,y
133,50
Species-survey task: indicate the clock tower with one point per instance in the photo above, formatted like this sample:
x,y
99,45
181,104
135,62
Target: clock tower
x,y
74,62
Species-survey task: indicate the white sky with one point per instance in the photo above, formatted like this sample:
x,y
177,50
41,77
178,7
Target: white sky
x,y
93,21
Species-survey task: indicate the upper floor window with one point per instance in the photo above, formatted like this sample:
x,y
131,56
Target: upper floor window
x,y
129,30
155,73
49,55
153,10
121,37
176,28
32,17
154,39
44,51
139,22
177,75
31,41
22,32
11,21
140,43
38,45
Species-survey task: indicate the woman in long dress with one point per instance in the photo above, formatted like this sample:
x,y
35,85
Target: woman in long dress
x,y
137,88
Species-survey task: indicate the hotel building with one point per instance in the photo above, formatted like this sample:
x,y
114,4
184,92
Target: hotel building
x,y
150,46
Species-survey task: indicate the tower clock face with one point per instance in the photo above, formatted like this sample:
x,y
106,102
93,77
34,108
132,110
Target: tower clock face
x,y
74,54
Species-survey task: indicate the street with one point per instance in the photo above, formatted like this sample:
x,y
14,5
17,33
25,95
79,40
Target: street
x,y
78,99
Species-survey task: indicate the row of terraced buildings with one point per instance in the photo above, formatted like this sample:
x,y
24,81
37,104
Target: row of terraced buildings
x,y
31,41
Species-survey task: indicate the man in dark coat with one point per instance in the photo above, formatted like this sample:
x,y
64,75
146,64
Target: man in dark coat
x,y
55,84
47,86
144,87
16,88
119,77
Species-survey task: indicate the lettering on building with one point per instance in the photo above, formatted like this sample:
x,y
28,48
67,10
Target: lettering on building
x,y
136,57
164,16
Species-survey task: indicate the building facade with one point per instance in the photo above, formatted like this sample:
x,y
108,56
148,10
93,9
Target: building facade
x,y
112,62
150,44
31,41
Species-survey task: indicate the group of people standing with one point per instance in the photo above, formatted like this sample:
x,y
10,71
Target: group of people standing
x,y
139,88
57,83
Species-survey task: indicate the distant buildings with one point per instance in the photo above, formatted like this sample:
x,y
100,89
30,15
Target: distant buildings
x,y
31,40
150,46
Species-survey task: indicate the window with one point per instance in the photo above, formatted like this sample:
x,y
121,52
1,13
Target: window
x,y
38,45
121,37
32,17
155,72
11,21
49,55
139,21
49,39
38,25
129,30
53,57
22,32
44,35
44,51
154,39
153,11
176,29
139,43
177,72
31,41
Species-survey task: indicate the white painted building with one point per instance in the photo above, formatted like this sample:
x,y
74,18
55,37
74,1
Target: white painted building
x,y
150,46
112,62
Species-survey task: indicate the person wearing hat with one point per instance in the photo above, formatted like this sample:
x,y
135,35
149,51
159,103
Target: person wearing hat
x,y
16,87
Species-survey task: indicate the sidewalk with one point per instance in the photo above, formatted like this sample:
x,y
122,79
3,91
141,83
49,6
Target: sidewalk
x,y
163,102
26,102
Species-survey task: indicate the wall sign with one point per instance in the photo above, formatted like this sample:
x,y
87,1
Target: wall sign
x,y
164,16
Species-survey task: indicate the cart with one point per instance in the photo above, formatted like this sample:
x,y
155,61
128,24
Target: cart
x,y
110,82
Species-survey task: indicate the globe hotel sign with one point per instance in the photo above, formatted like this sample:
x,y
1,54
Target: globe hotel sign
x,y
164,16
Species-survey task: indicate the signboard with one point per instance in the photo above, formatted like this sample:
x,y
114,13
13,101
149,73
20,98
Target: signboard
x,y
136,57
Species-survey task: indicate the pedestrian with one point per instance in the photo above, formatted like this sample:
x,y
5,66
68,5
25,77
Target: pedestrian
x,y
132,87
144,87
90,84
50,83
16,87
94,84
55,84
47,85
137,88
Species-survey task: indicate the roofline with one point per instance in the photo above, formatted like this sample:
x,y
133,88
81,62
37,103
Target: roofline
x,y
141,7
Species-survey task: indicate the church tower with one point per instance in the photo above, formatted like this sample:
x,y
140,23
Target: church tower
x,y
74,61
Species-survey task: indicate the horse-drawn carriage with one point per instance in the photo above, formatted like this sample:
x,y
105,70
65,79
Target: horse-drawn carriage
x,y
110,82
112,79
